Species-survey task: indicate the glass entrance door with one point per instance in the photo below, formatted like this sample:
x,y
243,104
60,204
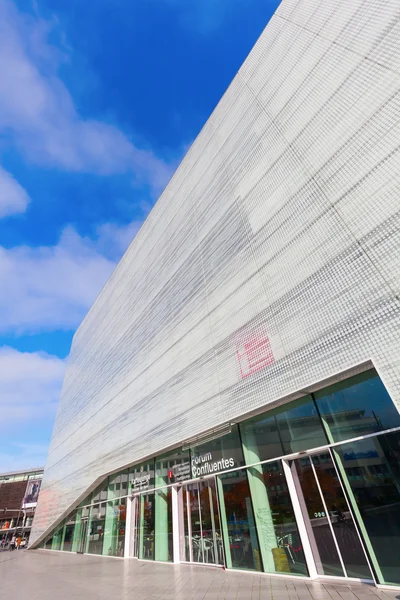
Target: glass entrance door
x,y
135,526
202,530
334,539
82,536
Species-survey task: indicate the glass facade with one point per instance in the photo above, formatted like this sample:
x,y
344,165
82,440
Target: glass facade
x,y
280,544
356,408
146,526
372,471
238,525
285,430
304,465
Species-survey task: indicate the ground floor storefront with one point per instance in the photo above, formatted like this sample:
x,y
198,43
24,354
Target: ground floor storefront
x,y
309,489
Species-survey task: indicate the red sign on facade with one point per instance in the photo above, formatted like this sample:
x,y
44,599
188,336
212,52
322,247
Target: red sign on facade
x,y
254,354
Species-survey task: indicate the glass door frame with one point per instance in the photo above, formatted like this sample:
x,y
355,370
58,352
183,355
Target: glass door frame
x,y
132,544
185,517
83,535
298,511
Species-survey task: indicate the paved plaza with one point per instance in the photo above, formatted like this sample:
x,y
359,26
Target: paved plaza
x,y
42,575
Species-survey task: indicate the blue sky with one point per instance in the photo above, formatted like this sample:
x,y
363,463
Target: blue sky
x,y
98,103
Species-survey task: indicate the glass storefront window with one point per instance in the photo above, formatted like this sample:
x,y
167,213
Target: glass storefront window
x,y
146,526
357,406
48,544
69,533
371,469
172,467
217,455
118,485
237,521
280,545
203,540
57,538
96,529
285,430
141,477
100,493
114,529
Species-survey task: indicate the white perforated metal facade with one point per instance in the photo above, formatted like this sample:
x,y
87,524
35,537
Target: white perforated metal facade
x,y
281,226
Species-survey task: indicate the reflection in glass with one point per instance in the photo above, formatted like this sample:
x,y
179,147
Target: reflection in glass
x,y
193,506
211,531
241,544
203,540
317,523
372,468
357,406
141,477
220,454
57,537
146,526
118,485
340,517
96,529
172,467
282,431
280,544
114,532
69,533
100,493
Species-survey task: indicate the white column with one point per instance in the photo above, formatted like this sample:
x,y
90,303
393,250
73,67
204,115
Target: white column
x,y
298,513
175,525
128,528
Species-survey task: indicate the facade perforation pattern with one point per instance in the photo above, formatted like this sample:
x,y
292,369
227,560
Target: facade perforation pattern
x,y
281,225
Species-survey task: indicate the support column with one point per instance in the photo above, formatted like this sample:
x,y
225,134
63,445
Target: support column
x,y
128,528
63,537
77,531
161,525
141,526
262,510
224,524
353,503
176,529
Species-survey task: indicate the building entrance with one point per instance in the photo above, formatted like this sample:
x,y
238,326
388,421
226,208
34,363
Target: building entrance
x,y
200,523
82,536
143,526
335,543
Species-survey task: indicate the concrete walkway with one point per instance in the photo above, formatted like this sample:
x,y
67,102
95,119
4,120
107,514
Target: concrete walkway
x,y
44,575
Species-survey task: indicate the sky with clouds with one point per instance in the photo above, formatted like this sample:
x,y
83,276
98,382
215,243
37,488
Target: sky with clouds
x,y
98,103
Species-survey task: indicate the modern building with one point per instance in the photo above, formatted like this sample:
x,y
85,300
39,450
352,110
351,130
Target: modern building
x,y
232,397
19,492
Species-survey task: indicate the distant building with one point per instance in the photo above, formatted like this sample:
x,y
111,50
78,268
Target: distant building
x,y
19,492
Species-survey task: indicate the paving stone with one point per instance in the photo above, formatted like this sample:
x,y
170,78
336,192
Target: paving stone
x,y
43,575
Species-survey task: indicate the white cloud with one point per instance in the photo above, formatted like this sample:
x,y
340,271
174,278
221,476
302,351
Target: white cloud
x,y
112,240
38,115
53,287
30,383
13,198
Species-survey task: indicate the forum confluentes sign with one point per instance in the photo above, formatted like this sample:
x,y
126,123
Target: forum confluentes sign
x,y
204,464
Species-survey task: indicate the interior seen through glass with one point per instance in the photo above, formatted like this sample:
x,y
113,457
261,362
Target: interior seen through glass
x,y
347,496
333,536
203,539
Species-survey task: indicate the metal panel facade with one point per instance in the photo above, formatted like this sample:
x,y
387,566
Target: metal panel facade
x,y
270,262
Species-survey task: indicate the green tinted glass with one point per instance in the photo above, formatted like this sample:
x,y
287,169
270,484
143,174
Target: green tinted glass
x,y
372,468
357,406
